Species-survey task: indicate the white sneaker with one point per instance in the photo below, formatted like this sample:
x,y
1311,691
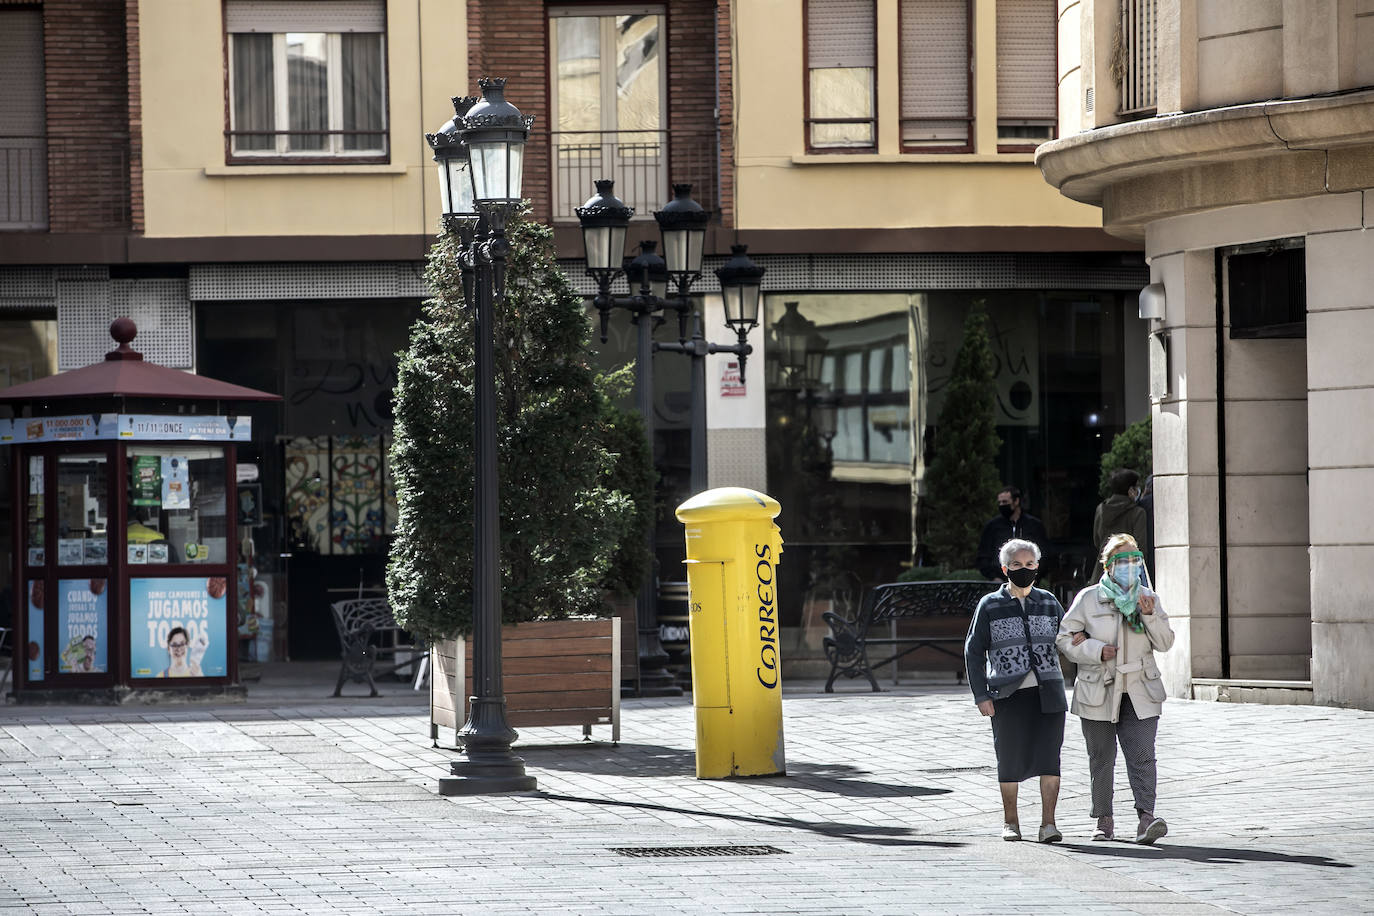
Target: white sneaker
x,y
1011,832
1050,834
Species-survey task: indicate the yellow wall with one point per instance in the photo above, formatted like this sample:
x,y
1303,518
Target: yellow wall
x,y
190,192
779,185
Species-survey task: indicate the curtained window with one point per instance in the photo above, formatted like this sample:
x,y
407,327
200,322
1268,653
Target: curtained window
x,y
307,79
841,60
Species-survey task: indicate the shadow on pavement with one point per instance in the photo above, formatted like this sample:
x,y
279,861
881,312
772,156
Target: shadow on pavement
x,y
1207,855
648,760
859,833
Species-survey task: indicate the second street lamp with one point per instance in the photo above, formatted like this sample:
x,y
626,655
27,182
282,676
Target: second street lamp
x,y
739,288
605,219
492,132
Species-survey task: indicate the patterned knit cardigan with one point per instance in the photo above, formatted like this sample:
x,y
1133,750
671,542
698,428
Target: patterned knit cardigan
x,y
998,652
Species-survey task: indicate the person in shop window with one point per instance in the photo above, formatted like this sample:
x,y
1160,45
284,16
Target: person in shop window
x,y
1012,521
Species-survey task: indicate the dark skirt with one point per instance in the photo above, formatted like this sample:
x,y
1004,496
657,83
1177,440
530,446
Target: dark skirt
x,y
1027,740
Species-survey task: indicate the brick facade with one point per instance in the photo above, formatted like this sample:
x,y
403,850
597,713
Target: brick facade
x,y
135,115
511,39
88,108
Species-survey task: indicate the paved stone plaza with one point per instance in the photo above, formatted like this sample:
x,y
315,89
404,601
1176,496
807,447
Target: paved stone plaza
x,y
295,802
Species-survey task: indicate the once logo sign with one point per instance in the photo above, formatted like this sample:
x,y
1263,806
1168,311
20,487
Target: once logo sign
x,y
768,623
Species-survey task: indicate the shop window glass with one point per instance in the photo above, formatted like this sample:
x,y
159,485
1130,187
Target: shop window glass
x,y
1060,397
176,505
34,528
82,510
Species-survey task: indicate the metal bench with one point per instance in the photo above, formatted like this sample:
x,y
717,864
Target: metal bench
x,y
940,611
369,635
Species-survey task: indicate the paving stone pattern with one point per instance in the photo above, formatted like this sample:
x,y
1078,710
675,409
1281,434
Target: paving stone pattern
x,y
297,803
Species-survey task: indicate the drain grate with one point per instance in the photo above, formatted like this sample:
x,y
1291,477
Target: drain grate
x,y
664,852
958,770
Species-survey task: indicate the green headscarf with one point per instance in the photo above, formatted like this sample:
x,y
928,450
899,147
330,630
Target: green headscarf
x,y
1127,601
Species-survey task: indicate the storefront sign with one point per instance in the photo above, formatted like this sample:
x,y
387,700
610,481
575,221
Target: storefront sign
x,y
129,427
34,649
177,627
82,625
144,428
731,382
57,429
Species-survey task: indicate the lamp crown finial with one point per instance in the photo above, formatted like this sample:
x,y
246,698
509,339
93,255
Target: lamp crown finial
x,y
682,190
604,186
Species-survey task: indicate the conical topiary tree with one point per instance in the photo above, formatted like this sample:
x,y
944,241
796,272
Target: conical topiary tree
x,y
962,480
561,520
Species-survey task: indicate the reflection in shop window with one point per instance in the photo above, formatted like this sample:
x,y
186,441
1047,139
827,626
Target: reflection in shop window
x,y
340,495
82,510
176,505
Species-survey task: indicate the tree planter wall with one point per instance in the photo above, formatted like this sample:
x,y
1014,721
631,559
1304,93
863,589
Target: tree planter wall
x,y
556,672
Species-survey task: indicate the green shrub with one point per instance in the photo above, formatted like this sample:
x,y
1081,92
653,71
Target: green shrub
x,y
1132,448
564,520
962,480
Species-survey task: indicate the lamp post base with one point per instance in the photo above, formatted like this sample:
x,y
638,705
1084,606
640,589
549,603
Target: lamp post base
x,y
486,778
654,679
658,683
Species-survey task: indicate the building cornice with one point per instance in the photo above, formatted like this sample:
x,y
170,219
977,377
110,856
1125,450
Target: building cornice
x,y
1089,166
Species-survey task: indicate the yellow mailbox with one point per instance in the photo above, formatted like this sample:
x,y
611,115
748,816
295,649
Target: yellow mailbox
x,y
733,548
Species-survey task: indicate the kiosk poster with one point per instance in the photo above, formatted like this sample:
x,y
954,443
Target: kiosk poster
x,y
177,627
147,480
82,626
35,630
176,484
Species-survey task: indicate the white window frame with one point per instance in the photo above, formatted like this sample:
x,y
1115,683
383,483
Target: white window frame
x,y
281,99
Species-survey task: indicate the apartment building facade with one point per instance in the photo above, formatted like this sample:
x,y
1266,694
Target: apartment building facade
x,y
1235,141
271,202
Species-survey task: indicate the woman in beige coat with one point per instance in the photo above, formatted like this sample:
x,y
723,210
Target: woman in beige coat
x,y
1112,632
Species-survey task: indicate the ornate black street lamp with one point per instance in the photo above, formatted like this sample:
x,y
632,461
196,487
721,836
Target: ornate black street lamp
x,y
739,287
682,223
484,145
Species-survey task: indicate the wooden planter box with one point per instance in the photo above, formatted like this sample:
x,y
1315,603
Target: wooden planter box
x,y
555,672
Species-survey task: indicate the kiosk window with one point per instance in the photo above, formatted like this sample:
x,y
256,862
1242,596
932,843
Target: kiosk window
x,y
33,520
82,510
176,505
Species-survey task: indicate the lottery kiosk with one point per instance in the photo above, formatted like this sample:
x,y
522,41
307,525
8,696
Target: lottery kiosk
x,y
125,534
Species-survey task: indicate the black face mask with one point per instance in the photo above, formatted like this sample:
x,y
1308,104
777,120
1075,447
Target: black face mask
x,y
1005,510
1022,577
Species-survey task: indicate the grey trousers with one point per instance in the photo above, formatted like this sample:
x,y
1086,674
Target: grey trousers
x,y
1137,740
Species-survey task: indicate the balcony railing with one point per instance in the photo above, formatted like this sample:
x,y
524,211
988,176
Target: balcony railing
x,y
643,164
23,183
1137,58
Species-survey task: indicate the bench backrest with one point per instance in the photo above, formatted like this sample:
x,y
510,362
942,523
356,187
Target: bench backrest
x,y
906,600
358,614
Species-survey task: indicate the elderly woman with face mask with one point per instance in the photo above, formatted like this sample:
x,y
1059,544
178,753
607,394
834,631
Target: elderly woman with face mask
x,y
1014,674
1112,632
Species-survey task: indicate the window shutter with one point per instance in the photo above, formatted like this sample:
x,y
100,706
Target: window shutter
x,y
21,73
305,16
935,59
1026,80
840,33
